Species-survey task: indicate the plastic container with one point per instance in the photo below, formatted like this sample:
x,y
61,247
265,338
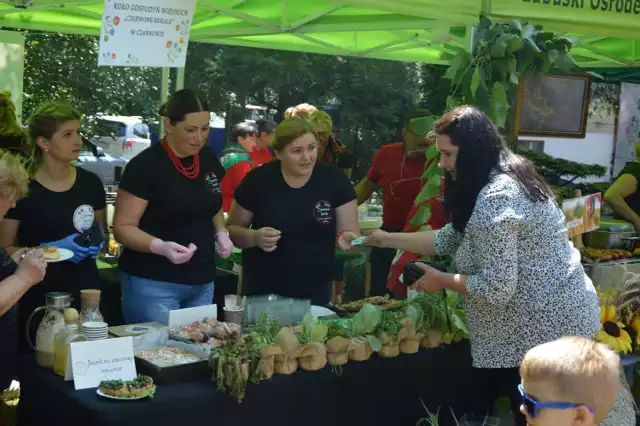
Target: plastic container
x,y
287,311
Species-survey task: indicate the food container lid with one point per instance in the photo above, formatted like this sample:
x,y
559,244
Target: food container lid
x,y
615,225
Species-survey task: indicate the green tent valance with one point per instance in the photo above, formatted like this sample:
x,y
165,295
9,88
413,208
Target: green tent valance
x,y
405,30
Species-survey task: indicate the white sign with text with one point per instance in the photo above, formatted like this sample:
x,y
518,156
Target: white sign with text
x,y
145,33
98,360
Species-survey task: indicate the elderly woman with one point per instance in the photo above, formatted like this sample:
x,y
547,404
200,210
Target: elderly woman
x,y
169,217
17,274
521,280
288,216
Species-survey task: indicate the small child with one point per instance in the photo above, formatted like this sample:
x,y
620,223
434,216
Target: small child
x,y
572,381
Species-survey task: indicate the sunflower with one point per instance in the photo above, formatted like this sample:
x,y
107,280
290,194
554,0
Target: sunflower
x,y
612,332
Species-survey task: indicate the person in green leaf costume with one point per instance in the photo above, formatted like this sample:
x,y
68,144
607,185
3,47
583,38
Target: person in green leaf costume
x,y
236,160
397,168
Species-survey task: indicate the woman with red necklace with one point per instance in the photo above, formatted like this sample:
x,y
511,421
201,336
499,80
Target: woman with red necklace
x,y
169,217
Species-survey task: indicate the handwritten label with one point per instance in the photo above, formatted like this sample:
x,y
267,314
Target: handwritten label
x,y
149,33
94,361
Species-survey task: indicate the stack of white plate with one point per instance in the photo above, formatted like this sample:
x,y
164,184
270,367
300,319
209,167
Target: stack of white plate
x,y
95,330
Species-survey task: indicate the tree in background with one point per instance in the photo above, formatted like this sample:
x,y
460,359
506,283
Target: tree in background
x,y
65,67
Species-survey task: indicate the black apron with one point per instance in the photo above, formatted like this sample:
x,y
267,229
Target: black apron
x,y
8,329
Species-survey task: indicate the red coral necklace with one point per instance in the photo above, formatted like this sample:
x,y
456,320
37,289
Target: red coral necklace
x,y
190,172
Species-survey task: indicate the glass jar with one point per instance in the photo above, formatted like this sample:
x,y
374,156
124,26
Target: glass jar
x,y
90,307
63,340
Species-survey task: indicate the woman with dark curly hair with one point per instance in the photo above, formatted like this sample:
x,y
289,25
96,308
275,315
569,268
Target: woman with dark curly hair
x,y
521,280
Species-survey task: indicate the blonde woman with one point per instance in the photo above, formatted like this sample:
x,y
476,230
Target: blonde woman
x,y
289,214
12,135
16,277
62,202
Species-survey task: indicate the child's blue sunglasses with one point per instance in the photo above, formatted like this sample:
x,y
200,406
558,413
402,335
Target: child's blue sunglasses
x,y
533,407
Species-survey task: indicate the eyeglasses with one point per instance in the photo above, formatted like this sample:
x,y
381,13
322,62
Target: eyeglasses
x,y
533,407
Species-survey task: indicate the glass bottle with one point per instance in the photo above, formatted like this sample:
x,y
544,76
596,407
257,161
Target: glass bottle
x,y
63,340
90,306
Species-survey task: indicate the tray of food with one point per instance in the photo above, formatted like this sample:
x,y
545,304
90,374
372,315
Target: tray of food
x,y
597,255
209,331
139,388
167,365
383,302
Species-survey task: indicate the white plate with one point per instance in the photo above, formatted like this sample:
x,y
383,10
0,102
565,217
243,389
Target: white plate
x,y
321,311
64,255
120,398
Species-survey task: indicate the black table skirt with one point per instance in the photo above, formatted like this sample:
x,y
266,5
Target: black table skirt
x,y
376,392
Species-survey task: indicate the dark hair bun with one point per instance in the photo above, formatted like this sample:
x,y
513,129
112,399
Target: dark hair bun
x,y
181,103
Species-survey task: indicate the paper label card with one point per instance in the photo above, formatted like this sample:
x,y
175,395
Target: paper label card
x,y
98,360
188,315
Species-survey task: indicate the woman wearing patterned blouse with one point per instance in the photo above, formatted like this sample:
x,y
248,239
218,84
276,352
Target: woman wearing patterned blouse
x,y
521,280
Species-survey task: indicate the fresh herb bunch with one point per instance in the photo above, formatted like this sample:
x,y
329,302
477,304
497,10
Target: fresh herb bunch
x,y
265,331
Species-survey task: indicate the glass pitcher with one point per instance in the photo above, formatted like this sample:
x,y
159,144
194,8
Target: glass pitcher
x,y
52,323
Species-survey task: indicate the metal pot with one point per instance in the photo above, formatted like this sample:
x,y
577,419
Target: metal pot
x,y
610,240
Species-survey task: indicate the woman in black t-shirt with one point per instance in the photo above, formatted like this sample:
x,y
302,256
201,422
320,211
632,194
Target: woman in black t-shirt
x,y
62,202
169,217
15,280
288,215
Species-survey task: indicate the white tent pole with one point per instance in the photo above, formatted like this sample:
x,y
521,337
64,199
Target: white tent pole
x,y
180,78
164,94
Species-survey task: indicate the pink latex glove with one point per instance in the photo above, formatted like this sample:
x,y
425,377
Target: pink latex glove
x,y
224,246
176,253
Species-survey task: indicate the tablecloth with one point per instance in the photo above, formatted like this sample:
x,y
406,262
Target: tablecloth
x,y
376,392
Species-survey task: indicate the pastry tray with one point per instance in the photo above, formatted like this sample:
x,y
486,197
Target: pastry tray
x,y
177,373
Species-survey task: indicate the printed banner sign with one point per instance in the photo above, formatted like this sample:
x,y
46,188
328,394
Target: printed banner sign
x,y
628,126
145,33
582,214
613,18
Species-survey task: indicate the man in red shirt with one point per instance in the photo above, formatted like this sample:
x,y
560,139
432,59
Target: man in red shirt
x,y
397,168
236,160
262,152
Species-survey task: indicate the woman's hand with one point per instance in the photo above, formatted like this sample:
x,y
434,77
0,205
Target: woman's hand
x,y
94,251
378,238
19,255
345,239
176,253
79,253
267,239
32,268
431,281
224,246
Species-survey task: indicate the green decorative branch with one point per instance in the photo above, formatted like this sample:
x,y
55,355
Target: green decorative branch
x,y
487,78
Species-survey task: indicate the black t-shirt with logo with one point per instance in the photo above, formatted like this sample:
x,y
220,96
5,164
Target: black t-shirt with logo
x,y
302,265
46,216
179,209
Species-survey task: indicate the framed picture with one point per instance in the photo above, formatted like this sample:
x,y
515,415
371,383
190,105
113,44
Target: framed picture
x,y
554,105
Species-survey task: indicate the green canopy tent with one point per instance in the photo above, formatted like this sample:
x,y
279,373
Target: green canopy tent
x,y
404,30
607,32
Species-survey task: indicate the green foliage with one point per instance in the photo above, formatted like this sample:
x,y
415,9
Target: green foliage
x,y
487,78
561,172
65,67
372,95
502,53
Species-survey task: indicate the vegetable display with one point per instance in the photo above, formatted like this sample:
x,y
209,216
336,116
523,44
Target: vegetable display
x,y
269,348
